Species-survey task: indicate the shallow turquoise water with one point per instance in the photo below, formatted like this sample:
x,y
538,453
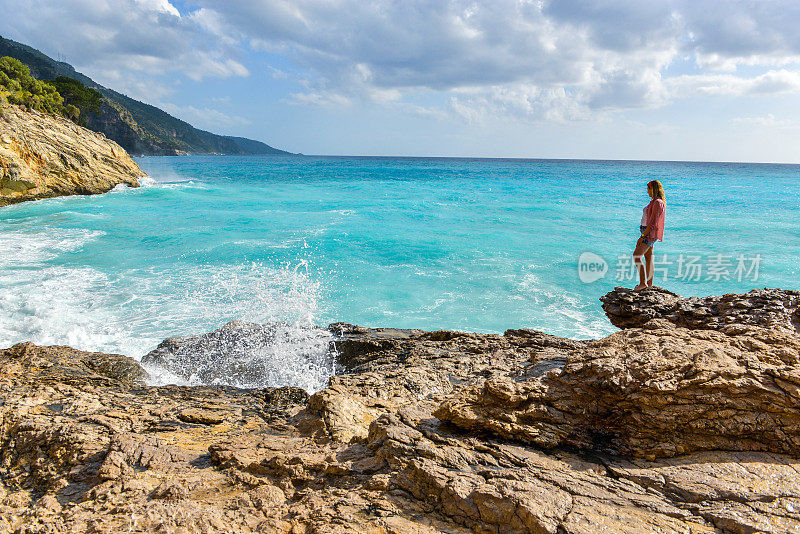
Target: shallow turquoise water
x,y
479,245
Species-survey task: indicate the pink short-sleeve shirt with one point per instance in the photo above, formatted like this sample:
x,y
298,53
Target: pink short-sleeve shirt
x,y
654,216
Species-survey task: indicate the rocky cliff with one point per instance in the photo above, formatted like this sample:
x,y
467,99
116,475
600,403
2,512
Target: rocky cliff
x,y
685,421
45,156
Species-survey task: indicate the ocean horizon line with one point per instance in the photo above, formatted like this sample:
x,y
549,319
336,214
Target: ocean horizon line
x,y
481,158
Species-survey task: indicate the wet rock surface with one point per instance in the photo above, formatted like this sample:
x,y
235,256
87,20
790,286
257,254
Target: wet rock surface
x,y
661,427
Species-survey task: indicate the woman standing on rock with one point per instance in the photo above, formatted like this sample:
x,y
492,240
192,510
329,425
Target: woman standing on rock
x,y
652,229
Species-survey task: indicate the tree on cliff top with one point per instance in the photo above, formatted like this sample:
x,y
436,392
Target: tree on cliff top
x,y
62,96
19,87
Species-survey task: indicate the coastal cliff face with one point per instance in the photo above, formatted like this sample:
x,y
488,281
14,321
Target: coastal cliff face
x,y
681,422
45,156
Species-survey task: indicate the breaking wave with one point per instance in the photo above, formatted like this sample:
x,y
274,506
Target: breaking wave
x,y
130,312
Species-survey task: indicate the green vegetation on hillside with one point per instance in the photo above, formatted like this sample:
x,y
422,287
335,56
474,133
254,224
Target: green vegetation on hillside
x,y
19,87
62,96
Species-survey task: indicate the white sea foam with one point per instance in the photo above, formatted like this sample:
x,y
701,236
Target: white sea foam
x,y
130,312
21,247
170,182
565,310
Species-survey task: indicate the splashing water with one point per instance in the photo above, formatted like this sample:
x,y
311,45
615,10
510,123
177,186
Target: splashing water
x,y
131,311
246,355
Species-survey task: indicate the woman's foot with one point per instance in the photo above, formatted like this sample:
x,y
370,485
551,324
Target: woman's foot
x,y
639,287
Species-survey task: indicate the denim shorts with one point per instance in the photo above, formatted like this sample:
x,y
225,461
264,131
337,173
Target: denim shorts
x,y
646,241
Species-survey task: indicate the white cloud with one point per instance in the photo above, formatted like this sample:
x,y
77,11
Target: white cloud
x,y
323,99
108,36
135,86
519,100
536,60
502,55
717,62
162,6
741,31
553,60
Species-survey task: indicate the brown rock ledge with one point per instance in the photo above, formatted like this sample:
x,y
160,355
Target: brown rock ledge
x,y
86,446
777,309
44,156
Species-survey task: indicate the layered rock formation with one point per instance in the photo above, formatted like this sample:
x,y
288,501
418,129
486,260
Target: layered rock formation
x,y
44,156
666,426
664,389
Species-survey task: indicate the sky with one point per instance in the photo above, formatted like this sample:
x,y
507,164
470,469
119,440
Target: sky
x,y
607,79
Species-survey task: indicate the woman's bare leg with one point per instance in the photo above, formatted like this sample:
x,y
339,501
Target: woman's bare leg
x,y
648,257
638,260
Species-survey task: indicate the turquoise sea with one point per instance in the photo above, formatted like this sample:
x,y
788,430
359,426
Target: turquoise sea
x,y
468,244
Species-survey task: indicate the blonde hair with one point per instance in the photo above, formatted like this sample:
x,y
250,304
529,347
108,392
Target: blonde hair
x,y
657,188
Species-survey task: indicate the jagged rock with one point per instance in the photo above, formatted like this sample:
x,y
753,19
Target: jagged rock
x,y
45,156
767,308
385,369
355,345
67,365
491,485
170,490
202,417
89,447
656,392
665,389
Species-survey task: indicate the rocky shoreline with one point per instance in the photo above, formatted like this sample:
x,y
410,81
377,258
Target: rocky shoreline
x,y
684,421
44,156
